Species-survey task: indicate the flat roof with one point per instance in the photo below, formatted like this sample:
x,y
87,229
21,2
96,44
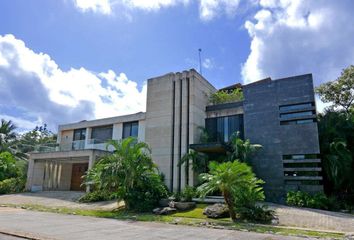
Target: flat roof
x,y
103,121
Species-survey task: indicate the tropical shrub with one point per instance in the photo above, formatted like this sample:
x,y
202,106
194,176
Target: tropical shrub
x,y
237,183
12,185
220,97
258,214
241,149
188,193
97,196
8,168
130,172
318,200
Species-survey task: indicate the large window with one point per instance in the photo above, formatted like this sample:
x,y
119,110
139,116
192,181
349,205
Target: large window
x,y
130,129
79,134
220,129
102,134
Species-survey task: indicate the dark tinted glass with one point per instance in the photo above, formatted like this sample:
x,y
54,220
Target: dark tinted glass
x,y
130,129
102,134
297,114
79,134
295,106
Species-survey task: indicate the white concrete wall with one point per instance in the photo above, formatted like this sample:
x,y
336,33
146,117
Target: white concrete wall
x,y
159,120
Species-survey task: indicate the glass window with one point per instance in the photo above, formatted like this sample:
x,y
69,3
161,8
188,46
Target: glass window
x,y
102,134
295,106
79,134
297,114
293,122
220,129
130,129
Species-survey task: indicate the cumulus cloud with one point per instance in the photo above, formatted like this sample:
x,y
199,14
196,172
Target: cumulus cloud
x,y
97,6
296,37
208,9
38,88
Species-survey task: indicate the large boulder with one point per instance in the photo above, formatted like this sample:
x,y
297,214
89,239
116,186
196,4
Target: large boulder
x,y
216,210
183,206
164,211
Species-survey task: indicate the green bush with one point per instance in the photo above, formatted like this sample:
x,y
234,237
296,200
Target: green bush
x,y
8,168
220,97
97,196
318,200
145,195
188,194
12,185
258,214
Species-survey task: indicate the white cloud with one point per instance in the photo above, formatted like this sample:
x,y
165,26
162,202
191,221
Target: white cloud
x,y
296,37
208,63
152,5
99,6
35,84
208,9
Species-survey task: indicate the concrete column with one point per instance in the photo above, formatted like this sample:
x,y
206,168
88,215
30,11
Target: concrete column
x,y
29,174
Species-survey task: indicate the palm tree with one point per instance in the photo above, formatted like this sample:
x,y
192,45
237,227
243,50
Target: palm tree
x,y
7,135
128,171
241,149
199,161
231,179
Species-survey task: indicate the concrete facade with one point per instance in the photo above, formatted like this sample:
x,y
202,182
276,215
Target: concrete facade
x,y
278,114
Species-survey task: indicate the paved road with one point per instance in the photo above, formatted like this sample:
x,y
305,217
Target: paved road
x,y
58,226
288,216
6,237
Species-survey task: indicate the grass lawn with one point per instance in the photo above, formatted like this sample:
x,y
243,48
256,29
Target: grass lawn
x,y
193,217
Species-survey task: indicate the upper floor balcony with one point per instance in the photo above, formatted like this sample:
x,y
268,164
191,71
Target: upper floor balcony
x,y
93,144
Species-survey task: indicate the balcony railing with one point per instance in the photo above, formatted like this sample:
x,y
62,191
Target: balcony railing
x,y
74,145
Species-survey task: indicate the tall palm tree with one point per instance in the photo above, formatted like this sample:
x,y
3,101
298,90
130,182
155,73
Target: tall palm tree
x,y
230,178
7,135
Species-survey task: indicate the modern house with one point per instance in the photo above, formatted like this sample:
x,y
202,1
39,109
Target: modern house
x,y
278,114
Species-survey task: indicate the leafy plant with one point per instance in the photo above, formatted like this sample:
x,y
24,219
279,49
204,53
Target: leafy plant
x,y
241,149
188,193
12,185
220,97
8,168
97,196
198,160
235,180
304,199
130,172
259,214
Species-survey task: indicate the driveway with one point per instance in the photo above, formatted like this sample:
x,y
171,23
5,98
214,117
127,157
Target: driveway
x,y
56,226
55,199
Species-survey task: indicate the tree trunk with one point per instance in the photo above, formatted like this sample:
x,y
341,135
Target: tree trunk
x,y
230,204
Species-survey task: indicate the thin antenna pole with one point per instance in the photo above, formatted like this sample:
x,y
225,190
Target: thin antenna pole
x,y
200,61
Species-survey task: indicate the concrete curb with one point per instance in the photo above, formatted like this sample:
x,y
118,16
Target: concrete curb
x,y
24,235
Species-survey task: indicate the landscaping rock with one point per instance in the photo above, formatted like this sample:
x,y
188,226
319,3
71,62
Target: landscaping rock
x,y
184,206
216,210
164,211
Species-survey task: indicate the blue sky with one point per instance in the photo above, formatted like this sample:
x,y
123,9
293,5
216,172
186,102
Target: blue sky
x,y
68,60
